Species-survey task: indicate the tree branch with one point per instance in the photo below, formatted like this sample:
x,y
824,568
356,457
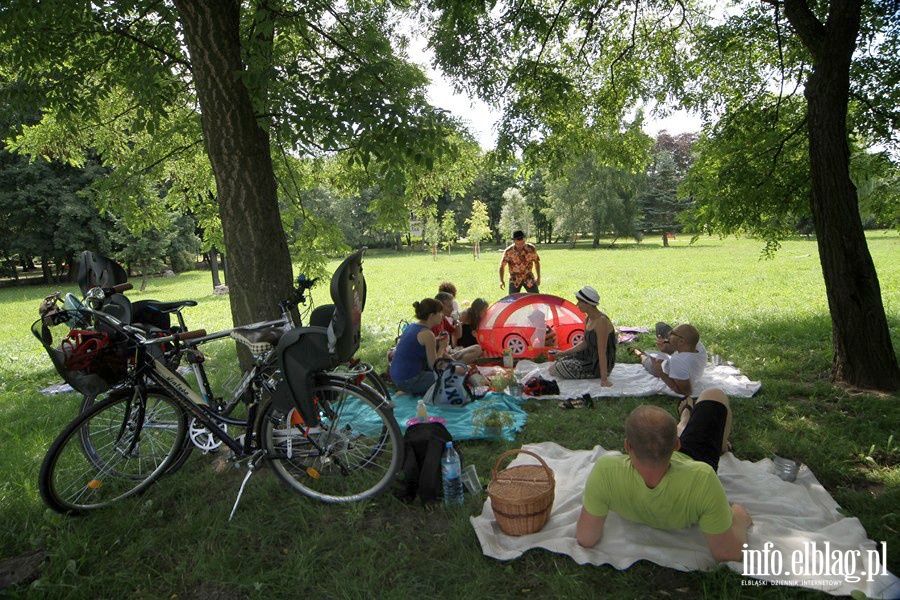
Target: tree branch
x,y
810,30
892,117
780,61
587,35
123,31
547,37
626,50
784,141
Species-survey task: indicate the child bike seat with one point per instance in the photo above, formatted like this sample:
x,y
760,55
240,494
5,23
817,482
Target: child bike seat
x,y
305,351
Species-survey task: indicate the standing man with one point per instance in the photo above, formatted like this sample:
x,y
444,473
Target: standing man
x,y
520,257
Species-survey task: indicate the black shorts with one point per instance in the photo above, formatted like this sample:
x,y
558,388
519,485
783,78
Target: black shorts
x,y
702,436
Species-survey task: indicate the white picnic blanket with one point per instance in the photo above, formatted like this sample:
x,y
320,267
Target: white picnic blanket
x,y
631,379
794,517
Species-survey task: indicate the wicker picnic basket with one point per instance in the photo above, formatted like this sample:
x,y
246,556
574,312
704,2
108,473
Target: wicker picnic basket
x,y
522,496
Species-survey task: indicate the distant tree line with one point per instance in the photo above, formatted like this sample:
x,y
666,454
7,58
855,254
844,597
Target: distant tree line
x,y
49,210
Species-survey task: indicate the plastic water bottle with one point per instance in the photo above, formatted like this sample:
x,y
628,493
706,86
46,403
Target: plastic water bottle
x,y
451,474
422,410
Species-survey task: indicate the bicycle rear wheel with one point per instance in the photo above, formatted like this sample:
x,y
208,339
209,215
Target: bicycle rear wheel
x,y
353,454
114,450
375,381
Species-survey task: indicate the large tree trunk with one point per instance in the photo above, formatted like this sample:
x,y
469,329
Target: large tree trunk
x,y
72,264
863,354
259,265
214,266
47,273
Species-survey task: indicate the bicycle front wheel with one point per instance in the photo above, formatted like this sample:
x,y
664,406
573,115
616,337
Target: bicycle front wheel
x,y
152,398
114,450
353,454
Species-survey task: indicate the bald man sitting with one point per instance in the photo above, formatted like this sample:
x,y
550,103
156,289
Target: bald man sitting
x,y
682,367
667,479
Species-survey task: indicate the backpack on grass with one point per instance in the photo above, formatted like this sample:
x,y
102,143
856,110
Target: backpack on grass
x,y
538,386
421,474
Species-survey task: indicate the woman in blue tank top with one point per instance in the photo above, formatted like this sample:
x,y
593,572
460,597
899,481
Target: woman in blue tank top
x,y
418,348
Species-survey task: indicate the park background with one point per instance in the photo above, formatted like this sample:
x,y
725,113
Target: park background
x,y
767,316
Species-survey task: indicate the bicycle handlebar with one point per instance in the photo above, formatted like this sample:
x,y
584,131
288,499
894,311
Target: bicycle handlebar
x,y
189,335
298,296
304,284
118,289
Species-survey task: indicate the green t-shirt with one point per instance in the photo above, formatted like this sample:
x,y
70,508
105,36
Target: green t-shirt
x,y
689,493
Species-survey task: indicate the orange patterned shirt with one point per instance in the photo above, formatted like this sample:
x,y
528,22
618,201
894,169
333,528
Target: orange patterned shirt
x,y
520,262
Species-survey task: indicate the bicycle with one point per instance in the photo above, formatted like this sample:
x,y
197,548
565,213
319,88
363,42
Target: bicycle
x,y
154,317
328,435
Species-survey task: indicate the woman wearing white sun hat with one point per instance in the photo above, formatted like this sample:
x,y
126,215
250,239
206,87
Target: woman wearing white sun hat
x,y
595,355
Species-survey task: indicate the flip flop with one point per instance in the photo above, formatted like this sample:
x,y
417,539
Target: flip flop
x,y
584,401
685,403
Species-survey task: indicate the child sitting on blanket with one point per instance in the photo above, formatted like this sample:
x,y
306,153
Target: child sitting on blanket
x,y
450,324
668,478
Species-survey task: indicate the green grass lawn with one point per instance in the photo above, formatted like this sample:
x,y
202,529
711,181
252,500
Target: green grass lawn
x,y
770,317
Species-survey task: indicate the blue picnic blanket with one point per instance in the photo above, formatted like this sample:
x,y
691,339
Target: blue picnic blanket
x,y
459,418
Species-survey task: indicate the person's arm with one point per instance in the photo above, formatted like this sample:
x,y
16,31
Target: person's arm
x,y
502,268
574,349
729,545
434,347
589,530
537,269
682,387
603,327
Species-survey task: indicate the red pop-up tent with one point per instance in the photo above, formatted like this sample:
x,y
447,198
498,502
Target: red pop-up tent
x,y
519,323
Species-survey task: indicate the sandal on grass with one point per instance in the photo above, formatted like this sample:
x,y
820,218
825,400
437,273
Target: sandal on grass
x,y
686,404
584,401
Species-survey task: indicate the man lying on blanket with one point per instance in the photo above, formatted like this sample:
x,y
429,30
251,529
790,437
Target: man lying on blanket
x,y
681,359
668,478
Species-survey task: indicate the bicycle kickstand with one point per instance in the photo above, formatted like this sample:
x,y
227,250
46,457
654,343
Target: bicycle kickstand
x,y
251,469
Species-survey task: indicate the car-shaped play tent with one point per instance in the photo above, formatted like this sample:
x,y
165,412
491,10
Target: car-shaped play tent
x,y
520,323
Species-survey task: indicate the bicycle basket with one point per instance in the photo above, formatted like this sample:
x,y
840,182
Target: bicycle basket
x,y
90,360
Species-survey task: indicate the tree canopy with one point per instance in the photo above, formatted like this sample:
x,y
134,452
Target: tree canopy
x,y
154,88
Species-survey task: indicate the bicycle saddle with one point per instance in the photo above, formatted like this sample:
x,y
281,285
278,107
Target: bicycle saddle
x,y
164,306
259,341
